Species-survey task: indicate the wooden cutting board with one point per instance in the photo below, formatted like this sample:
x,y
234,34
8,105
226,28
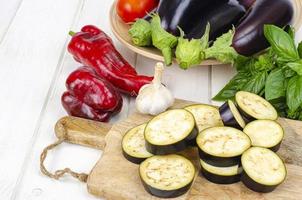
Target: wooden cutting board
x,y
115,178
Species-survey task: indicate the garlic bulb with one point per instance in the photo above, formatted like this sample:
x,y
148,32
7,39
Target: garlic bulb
x,y
154,98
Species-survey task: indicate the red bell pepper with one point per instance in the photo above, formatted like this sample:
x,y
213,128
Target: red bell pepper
x,y
93,48
90,96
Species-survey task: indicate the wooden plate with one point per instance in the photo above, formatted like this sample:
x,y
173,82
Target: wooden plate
x,y
120,30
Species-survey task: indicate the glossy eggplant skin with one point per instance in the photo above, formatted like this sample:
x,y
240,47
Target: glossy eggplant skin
x,y
166,193
249,35
220,179
190,140
184,13
228,117
246,3
219,161
221,17
257,187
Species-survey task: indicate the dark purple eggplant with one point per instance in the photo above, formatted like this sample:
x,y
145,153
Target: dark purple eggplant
x,y
249,36
185,14
246,3
231,116
221,18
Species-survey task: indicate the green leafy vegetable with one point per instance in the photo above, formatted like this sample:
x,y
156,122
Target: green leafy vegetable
x,y
296,66
300,49
275,75
162,40
291,31
234,85
275,85
222,49
282,43
140,33
190,52
256,83
294,93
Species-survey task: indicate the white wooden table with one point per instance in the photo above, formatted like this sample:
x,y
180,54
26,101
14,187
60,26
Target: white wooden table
x,y
34,65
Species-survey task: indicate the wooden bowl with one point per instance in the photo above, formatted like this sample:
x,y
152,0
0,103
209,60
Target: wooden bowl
x,y
120,30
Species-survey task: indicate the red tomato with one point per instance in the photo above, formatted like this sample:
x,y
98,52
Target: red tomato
x,y
130,10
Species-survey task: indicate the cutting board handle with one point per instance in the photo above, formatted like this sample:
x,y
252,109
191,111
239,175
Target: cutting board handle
x,y
77,131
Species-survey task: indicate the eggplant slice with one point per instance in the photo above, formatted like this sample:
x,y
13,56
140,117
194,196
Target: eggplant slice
x,y
222,146
167,176
254,107
265,133
263,170
231,116
206,116
133,145
170,132
220,175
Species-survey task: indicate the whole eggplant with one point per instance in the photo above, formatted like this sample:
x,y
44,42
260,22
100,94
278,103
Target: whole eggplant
x,y
184,13
221,18
249,36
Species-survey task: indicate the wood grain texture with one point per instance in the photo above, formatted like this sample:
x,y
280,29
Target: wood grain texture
x,y
34,185
114,170
29,55
8,10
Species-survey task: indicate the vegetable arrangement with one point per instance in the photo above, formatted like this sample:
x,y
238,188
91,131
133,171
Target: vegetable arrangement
x,y
190,26
275,75
94,91
229,152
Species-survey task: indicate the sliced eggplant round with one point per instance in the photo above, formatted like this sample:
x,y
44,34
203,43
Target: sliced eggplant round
x,y
133,145
252,106
170,132
167,176
231,116
222,146
220,175
205,116
263,170
265,133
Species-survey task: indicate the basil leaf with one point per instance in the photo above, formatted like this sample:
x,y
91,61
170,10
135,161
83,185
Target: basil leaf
x,y
241,62
291,31
256,83
264,62
296,66
282,43
288,73
280,105
234,85
300,49
294,93
275,85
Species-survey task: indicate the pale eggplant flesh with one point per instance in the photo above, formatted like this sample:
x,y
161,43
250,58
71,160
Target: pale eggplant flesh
x,y
133,145
167,176
263,170
221,175
265,133
222,146
170,132
253,106
231,116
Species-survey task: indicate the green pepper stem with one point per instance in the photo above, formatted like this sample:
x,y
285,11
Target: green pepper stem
x,y
71,33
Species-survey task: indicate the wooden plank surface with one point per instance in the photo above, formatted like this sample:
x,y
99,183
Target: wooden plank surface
x,y
29,56
34,66
34,184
